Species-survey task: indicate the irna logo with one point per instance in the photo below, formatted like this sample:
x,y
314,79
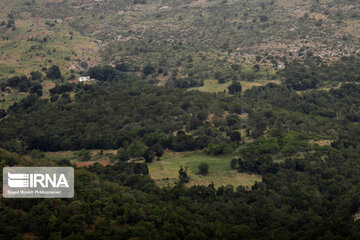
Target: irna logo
x,y
38,182
19,180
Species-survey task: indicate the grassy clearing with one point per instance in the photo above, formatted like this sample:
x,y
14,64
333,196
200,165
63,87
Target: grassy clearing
x,y
165,171
212,85
57,156
96,156
20,55
47,85
7,100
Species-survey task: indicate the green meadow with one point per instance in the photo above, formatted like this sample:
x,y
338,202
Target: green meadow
x,y
165,171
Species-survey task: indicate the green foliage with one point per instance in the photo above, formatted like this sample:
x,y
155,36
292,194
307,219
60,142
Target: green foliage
x,y
300,77
220,77
83,155
23,87
22,83
36,154
148,114
235,87
183,142
320,183
261,164
63,88
233,163
136,149
122,67
122,198
295,142
2,113
53,72
36,75
312,194
148,69
122,155
158,150
8,158
261,146
203,169
183,176
216,149
140,168
36,88
149,155
289,144
315,111
235,136
64,162
304,76
102,73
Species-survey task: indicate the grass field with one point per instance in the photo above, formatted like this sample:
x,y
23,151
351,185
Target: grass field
x,y
165,171
71,155
212,85
7,100
21,53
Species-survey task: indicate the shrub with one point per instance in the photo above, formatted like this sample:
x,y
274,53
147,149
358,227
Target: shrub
x,y
203,169
136,149
217,149
53,72
84,155
183,176
235,87
148,69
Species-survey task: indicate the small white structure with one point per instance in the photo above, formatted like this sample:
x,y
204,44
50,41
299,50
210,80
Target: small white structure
x,y
84,79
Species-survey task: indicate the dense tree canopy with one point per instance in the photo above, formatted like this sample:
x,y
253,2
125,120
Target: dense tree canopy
x,y
308,190
105,117
300,199
302,76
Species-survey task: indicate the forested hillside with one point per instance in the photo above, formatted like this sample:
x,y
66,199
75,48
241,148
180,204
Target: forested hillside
x,y
314,196
108,117
198,119
309,190
183,39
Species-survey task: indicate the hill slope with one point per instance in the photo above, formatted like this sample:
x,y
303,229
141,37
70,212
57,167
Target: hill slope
x,y
183,38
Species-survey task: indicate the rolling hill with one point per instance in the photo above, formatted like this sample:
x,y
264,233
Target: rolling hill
x,y
184,39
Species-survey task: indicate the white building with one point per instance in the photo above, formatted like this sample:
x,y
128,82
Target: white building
x,y
84,79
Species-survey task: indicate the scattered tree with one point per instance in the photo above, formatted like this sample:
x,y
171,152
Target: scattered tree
x,y
235,87
149,155
183,176
84,155
233,163
203,169
53,72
